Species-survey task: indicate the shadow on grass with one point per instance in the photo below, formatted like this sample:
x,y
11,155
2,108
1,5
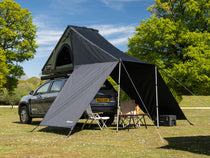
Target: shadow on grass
x,y
59,130
55,130
65,131
132,126
34,123
194,144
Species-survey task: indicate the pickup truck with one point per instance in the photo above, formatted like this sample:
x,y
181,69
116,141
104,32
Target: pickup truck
x,y
37,103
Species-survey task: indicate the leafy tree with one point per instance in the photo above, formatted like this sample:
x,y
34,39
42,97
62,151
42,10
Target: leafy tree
x,y
123,95
36,82
177,38
3,69
23,88
17,42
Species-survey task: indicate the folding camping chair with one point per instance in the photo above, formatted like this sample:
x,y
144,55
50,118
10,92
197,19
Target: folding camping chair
x,y
130,114
127,108
95,117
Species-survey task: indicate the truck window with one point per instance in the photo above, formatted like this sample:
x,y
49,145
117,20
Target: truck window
x,y
57,85
43,89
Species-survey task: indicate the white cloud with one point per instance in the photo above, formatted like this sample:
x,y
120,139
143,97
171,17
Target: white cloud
x,y
44,51
115,34
47,32
48,36
38,21
119,41
117,4
47,40
113,4
107,30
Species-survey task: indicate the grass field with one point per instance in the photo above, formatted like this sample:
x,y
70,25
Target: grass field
x,y
195,101
180,141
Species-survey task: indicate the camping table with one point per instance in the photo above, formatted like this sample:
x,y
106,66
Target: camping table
x,y
132,117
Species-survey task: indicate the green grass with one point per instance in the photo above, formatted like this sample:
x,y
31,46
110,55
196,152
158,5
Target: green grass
x,y
195,101
180,141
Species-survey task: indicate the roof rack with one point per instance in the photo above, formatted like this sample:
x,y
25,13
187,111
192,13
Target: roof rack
x,y
52,77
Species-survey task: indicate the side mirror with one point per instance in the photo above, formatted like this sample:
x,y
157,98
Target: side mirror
x,y
31,92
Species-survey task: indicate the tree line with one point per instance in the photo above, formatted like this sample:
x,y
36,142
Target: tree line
x,y
23,88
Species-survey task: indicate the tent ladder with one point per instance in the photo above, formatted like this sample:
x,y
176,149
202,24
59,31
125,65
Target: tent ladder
x,y
118,99
156,93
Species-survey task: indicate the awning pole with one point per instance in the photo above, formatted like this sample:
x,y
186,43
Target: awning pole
x,y
156,89
118,99
69,133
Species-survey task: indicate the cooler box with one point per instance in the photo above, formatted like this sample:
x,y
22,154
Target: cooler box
x,y
167,120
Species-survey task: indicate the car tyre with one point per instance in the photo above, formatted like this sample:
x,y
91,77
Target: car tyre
x,y
24,115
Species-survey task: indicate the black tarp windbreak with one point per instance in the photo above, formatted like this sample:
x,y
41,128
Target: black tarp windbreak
x,y
94,59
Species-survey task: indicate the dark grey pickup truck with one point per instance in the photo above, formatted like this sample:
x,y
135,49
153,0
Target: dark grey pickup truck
x,y
37,103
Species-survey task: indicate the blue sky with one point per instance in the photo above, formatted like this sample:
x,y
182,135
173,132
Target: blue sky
x,y
115,19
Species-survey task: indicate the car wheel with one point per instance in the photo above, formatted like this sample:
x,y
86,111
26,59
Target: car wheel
x,y
24,115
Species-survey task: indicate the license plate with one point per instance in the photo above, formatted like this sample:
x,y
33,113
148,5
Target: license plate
x,y
102,99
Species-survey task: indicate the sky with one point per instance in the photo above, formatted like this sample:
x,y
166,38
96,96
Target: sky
x,y
115,19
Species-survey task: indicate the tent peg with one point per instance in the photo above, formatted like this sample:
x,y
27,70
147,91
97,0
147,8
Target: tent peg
x,y
35,128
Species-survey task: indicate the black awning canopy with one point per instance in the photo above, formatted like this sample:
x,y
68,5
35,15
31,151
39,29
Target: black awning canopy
x,y
93,59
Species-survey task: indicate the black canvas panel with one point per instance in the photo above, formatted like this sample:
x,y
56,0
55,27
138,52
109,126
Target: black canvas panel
x,y
102,43
168,104
143,77
86,52
76,94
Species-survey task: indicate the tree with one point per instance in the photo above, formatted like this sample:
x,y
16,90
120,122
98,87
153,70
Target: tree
x,y
36,82
123,95
177,38
3,69
17,42
23,88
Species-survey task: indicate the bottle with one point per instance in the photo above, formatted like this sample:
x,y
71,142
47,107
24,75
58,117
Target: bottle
x,y
137,109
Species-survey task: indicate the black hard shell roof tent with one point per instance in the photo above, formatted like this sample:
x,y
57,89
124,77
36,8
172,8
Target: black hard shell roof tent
x,y
91,59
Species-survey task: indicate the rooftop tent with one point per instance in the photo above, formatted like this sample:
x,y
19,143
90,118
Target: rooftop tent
x,y
61,58
92,59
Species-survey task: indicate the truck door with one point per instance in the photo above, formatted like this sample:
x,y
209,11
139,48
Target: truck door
x,y
53,92
39,100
